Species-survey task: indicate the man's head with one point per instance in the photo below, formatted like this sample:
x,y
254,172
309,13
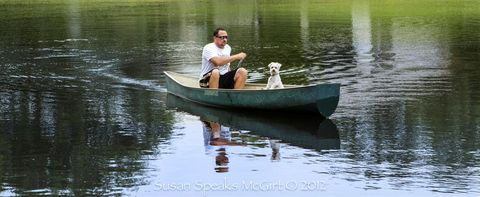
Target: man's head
x,y
220,37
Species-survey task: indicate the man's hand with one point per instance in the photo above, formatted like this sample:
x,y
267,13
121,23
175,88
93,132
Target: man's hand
x,y
241,56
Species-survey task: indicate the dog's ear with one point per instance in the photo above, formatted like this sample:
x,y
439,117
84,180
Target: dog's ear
x,y
279,65
270,65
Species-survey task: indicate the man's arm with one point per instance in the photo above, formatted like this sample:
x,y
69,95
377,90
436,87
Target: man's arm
x,y
219,61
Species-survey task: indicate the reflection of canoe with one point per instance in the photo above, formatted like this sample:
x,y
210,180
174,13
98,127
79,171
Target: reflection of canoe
x,y
314,99
305,131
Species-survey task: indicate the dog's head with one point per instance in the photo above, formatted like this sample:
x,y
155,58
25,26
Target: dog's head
x,y
274,68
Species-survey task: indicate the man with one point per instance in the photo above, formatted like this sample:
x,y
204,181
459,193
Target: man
x,y
216,60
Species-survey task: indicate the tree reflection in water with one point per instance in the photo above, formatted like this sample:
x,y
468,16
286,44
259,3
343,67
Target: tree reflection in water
x,y
65,141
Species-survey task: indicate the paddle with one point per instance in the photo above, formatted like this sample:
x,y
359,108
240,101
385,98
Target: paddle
x,y
239,63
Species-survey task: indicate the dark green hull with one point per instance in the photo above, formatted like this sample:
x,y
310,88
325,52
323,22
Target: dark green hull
x,y
321,99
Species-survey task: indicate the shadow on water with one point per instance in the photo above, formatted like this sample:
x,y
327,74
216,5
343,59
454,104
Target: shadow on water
x,y
313,132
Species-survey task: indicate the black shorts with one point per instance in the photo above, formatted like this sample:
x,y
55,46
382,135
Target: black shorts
x,y
227,80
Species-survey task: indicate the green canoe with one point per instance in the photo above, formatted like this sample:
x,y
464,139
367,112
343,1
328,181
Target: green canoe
x,y
312,132
320,99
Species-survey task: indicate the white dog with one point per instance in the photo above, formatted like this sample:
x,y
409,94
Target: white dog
x,y
274,81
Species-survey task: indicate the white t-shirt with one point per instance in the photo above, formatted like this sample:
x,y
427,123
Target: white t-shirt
x,y
211,50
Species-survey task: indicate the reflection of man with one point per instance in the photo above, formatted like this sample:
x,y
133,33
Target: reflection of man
x,y
215,134
221,160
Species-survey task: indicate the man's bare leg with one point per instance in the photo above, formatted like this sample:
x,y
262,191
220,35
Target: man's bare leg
x,y
214,79
240,78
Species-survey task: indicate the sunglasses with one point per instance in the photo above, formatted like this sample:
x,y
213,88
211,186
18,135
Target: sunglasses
x,y
222,37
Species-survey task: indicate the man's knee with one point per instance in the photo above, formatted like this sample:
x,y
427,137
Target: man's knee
x,y
215,74
242,72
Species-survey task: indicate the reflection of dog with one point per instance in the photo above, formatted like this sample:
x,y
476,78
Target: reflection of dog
x,y
274,144
274,81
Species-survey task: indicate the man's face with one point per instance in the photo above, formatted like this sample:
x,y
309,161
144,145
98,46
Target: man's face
x,y
221,39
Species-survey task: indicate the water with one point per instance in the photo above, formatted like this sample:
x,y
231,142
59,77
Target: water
x,y
84,110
